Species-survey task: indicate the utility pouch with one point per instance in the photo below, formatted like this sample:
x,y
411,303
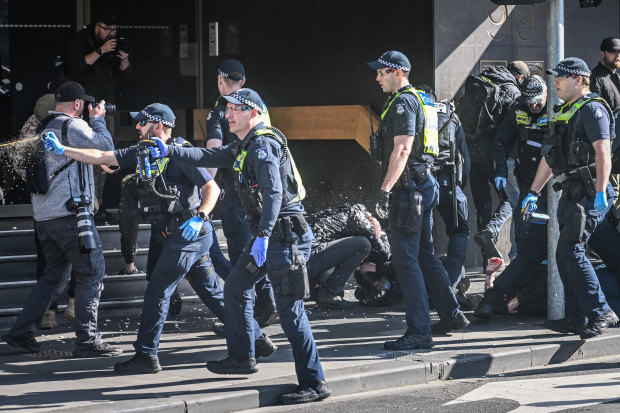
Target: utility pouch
x,y
413,222
403,210
575,227
419,173
248,262
292,279
300,226
588,181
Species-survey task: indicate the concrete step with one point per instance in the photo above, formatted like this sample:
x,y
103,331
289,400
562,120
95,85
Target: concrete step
x,y
21,241
24,267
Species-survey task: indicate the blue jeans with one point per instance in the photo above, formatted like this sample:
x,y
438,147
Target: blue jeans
x,y
60,247
178,258
583,298
241,328
458,233
415,263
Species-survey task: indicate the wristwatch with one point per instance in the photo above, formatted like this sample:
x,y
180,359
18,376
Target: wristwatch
x,y
203,216
262,233
99,52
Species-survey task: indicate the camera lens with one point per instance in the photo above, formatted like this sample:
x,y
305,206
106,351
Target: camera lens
x,y
85,230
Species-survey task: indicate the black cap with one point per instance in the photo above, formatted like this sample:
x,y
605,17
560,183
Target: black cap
x,y
393,59
232,69
246,96
108,19
610,44
533,90
70,91
157,112
570,66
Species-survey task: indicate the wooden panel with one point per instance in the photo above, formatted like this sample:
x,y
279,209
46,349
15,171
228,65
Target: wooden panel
x,y
312,122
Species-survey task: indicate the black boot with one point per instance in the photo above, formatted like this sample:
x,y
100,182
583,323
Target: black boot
x,y
491,299
306,393
140,363
232,365
264,347
486,240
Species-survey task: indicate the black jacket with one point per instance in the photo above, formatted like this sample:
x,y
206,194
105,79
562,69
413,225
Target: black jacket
x,y
606,85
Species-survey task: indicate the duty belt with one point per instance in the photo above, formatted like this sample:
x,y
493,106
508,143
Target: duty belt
x,y
285,226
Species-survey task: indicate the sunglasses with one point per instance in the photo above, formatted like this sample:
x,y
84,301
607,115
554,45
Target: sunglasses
x,y
384,72
236,109
144,122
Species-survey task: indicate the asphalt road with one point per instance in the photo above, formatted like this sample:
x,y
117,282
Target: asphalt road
x,y
587,386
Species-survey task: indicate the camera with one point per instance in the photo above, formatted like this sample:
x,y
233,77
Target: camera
x,y
110,108
123,44
80,204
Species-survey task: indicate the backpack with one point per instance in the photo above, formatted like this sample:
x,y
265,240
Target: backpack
x,y
37,176
486,98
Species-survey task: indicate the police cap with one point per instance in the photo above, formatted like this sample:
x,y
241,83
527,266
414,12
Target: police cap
x,y
246,96
570,66
393,59
157,112
231,69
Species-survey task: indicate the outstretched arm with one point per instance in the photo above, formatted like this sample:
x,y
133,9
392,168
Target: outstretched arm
x,y
89,156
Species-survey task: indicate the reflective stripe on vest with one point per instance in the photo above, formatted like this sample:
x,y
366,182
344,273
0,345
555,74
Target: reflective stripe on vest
x,y
565,117
523,118
431,123
157,168
240,161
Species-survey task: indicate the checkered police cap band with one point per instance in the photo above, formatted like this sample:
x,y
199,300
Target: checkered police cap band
x,y
157,119
393,65
572,71
245,101
223,74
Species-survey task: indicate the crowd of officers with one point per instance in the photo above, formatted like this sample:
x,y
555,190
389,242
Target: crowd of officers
x,y
276,260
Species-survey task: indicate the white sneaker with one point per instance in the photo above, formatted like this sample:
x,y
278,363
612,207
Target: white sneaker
x,y
48,321
70,310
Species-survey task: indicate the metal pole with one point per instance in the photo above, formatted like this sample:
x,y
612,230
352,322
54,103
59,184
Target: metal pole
x,y
555,53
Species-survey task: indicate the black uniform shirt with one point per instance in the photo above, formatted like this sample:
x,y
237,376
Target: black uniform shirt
x,y
262,165
507,135
217,128
607,85
594,122
185,177
404,117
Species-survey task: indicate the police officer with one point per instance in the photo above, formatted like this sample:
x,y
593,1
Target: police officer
x,y
579,158
230,78
184,218
408,129
451,170
270,190
525,124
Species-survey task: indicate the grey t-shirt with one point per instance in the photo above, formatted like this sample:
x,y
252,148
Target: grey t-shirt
x,y
67,183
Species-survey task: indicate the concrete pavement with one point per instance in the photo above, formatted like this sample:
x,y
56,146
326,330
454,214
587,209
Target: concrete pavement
x,y
350,344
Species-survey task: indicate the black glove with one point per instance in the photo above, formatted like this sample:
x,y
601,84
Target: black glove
x,y
383,204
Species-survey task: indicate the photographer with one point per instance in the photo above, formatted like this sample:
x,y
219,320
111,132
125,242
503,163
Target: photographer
x,y
94,57
70,186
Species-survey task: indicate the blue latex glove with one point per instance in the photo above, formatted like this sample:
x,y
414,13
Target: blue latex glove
x,y
191,228
53,144
259,250
600,201
500,182
160,151
529,203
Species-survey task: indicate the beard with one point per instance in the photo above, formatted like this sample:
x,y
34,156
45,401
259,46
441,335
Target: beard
x,y
611,63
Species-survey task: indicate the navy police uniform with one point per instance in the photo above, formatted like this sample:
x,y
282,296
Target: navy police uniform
x,y
265,180
412,201
578,126
527,130
179,256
